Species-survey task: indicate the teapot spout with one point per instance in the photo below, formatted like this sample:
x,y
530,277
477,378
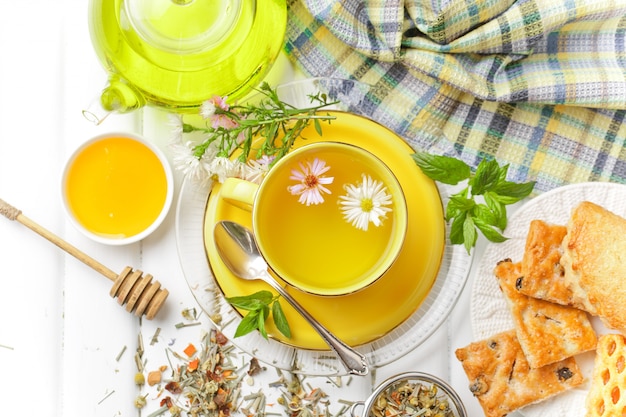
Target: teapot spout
x,y
117,96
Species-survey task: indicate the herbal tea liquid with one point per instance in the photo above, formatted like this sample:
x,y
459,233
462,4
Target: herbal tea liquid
x,y
315,243
178,53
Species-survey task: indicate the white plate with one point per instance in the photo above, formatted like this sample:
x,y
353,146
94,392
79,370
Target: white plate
x,y
417,328
489,312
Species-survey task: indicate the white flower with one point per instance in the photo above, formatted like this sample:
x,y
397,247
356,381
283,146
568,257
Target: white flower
x,y
256,169
175,121
310,182
222,167
365,203
185,161
207,109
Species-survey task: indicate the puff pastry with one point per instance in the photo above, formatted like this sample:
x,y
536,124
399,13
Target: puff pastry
x,y
501,379
594,262
542,272
547,332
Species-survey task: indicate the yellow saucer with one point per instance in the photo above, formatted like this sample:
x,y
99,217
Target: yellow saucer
x,y
369,314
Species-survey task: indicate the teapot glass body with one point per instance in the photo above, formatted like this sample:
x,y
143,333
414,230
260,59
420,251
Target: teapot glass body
x,y
177,53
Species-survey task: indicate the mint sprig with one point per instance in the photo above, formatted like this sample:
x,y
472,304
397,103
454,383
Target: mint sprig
x,y
468,216
259,307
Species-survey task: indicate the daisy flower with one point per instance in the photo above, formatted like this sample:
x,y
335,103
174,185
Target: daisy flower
x,y
365,202
256,169
310,182
184,160
175,122
222,167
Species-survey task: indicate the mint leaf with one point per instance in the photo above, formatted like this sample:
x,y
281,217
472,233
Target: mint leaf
x,y
457,204
488,230
280,320
248,324
466,216
484,214
486,177
441,168
251,302
469,233
517,191
261,322
456,229
497,208
258,307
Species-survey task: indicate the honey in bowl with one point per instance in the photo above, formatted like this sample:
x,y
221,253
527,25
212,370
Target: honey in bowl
x,y
117,188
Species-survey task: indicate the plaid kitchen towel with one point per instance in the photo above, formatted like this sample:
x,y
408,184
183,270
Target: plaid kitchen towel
x,y
537,84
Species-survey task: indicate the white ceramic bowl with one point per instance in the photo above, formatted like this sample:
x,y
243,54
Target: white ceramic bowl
x,y
128,192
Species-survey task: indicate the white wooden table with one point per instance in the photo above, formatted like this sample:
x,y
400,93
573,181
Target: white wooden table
x,y
61,335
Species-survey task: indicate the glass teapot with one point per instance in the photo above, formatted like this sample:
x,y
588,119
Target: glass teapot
x,y
177,53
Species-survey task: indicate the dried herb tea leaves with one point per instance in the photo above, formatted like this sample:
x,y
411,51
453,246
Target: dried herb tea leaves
x,y
411,398
207,382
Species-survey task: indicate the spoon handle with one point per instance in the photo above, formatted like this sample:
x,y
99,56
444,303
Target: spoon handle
x,y
354,361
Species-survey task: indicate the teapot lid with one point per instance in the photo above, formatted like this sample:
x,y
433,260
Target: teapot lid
x,y
183,26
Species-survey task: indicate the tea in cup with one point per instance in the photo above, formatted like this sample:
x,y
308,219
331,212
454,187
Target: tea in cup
x,y
329,218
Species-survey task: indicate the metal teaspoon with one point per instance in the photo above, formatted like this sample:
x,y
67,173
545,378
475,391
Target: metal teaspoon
x,y
237,247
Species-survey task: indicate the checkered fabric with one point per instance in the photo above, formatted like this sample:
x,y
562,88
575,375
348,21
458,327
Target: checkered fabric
x,y
537,84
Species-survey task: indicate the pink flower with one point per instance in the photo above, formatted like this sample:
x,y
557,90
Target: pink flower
x,y
222,120
310,182
215,109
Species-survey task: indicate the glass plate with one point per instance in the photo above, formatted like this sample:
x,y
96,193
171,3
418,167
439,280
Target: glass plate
x,y
490,313
402,339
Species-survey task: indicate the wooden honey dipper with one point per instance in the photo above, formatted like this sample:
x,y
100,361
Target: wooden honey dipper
x,y
131,287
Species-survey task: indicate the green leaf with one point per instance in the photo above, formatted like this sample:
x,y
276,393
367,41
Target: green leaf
x,y
484,213
252,301
497,208
318,126
456,229
469,233
489,231
261,321
280,320
441,168
486,177
249,304
517,191
248,324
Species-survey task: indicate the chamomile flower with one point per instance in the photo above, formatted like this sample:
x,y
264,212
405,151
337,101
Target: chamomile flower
x,y
175,122
197,169
365,202
256,169
311,182
222,167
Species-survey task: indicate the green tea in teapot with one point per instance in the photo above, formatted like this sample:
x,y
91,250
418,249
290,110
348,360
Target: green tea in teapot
x,y
178,53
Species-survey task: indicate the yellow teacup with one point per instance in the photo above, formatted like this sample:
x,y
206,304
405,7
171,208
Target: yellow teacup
x,y
329,218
